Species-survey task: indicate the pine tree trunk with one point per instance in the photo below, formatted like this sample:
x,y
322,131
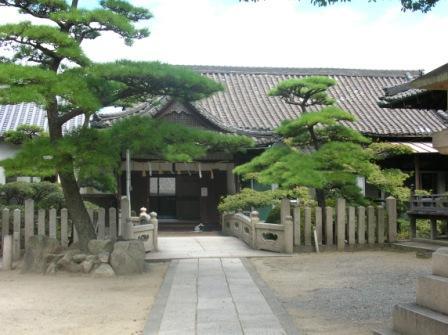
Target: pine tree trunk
x,y
73,199
77,210
320,197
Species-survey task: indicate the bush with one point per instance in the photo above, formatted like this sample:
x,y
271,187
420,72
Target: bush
x,y
16,193
45,195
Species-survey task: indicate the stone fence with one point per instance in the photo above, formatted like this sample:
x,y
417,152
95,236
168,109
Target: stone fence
x,y
306,228
20,226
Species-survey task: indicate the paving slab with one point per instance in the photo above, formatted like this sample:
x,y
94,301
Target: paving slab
x,y
185,247
213,296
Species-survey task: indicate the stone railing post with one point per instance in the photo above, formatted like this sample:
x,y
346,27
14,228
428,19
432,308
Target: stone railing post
x,y
285,210
296,222
289,235
371,225
380,226
329,238
307,228
125,219
16,234
361,225
5,222
391,208
113,223
153,219
254,219
7,252
340,223
351,226
29,220
318,224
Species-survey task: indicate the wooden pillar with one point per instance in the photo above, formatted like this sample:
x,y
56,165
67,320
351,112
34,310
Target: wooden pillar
x,y
433,229
231,185
418,184
296,223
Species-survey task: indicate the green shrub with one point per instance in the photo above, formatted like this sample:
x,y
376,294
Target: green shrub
x,y
52,200
44,189
16,193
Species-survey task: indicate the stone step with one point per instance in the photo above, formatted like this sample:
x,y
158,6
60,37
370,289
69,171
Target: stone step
x,y
440,262
432,293
411,319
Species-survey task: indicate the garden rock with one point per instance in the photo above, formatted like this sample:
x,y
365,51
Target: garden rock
x,y
37,251
51,269
104,257
79,258
104,270
87,266
98,246
128,257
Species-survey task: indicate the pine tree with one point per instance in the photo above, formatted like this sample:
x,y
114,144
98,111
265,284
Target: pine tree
x,y
318,149
45,64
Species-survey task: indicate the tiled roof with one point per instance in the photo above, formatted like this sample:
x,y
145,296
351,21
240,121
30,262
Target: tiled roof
x,y
12,116
245,103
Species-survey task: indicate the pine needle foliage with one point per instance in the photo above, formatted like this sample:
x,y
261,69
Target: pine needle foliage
x,y
97,153
44,63
319,150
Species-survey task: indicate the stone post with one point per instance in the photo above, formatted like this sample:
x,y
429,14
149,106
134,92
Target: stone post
x,y
7,252
16,234
52,223
5,222
125,218
329,226
380,228
340,223
112,223
254,219
285,210
318,213
41,222
101,224
307,228
351,226
155,222
29,220
391,208
296,218
371,227
361,225
289,235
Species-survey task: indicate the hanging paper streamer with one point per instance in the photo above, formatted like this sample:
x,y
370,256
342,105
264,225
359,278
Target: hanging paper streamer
x,y
200,170
150,169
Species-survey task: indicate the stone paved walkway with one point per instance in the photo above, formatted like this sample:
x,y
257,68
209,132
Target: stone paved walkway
x,y
211,296
184,247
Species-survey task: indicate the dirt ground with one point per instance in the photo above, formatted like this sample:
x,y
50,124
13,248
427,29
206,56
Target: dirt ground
x,y
67,304
342,293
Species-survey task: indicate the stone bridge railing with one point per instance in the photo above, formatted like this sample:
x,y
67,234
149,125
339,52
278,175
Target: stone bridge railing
x,y
305,228
260,235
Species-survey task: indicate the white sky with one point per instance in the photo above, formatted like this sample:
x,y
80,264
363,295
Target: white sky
x,y
282,33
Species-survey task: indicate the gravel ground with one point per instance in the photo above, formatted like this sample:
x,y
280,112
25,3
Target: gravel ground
x,y
75,304
342,293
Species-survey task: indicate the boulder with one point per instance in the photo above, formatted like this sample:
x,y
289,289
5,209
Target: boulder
x,y
87,266
128,257
104,257
98,246
79,258
51,269
104,270
36,254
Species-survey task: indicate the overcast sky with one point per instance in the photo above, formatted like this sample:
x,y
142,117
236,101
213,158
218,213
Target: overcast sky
x,y
283,33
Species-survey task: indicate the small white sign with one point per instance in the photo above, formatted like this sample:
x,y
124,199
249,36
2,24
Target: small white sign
x,y
204,192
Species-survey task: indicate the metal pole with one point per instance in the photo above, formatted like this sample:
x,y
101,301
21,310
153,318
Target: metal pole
x,y
128,176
